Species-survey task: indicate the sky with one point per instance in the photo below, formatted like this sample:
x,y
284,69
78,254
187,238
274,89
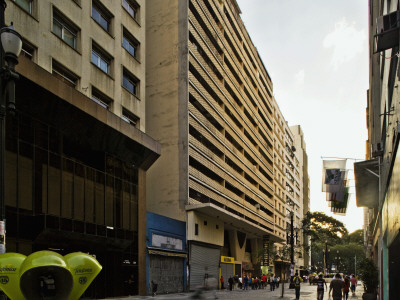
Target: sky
x,y
316,53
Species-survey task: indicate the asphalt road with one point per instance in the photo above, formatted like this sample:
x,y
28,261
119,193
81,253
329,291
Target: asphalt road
x,y
307,292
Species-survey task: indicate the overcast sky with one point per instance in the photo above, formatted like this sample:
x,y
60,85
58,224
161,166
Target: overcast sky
x,y
316,52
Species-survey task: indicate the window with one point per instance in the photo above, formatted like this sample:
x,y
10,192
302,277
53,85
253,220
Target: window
x,y
100,98
130,43
101,15
131,7
129,117
28,50
130,82
101,59
196,229
27,5
64,74
64,30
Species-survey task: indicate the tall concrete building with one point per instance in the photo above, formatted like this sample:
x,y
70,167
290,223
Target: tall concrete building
x,y
303,195
77,151
377,178
210,104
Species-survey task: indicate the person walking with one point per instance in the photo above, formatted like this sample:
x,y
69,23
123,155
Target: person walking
x,y
297,280
264,281
336,287
353,282
246,282
346,288
230,281
320,287
272,283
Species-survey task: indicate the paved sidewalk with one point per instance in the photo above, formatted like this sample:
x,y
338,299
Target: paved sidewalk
x,y
307,292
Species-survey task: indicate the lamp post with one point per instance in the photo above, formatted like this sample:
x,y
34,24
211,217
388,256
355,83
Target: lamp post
x,y
11,45
337,261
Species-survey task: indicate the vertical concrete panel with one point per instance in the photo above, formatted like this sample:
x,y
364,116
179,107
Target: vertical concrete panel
x,y
142,231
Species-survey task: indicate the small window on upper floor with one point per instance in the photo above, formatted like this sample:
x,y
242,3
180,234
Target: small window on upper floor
x,y
64,74
130,43
101,59
132,7
101,15
28,50
27,5
64,29
129,117
100,98
130,82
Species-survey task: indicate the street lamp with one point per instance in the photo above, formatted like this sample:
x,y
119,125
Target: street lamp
x,y
11,45
337,261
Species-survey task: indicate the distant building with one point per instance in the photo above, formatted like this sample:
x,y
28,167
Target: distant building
x,y
210,104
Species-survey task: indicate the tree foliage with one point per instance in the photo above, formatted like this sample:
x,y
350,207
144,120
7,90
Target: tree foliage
x,y
330,241
320,228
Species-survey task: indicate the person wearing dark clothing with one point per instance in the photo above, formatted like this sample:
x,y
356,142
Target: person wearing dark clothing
x,y
230,281
320,287
336,288
246,282
297,280
346,288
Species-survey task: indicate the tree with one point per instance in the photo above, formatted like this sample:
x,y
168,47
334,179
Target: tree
x,y
356,237
320,228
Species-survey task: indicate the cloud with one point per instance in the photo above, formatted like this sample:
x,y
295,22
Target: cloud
x,y
345,41
299,77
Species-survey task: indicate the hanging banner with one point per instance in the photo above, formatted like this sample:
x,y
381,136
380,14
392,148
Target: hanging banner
x,y
333,173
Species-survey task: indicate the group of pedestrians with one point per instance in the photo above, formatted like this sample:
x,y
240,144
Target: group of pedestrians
x,y
339,287
251,282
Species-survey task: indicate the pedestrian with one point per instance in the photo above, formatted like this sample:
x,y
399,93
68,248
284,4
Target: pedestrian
x,y
297,280
230,281
353,282
246,282
271,283
278,280
240,282
256,282
131,284
222,282
346,288
235,281
320,286
263,281
336,287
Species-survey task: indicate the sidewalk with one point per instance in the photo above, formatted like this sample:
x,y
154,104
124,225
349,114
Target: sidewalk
x,y
307,292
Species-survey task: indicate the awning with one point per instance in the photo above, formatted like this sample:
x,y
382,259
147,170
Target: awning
x,y
366,174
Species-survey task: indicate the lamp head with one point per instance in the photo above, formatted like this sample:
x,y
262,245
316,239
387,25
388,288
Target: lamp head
x,y
11,42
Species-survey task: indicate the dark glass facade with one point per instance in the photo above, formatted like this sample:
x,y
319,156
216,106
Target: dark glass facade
x,y
67,192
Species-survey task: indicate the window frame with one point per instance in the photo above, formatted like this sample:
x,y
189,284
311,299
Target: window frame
x,y
100,98
102,57
65,25
131,5
103,13
133,80
30,4
66,75
134,43
130,117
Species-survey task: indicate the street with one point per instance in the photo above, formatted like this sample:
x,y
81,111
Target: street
x,y
307,292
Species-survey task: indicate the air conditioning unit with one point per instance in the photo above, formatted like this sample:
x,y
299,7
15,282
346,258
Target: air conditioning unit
x,y
377,149
387,31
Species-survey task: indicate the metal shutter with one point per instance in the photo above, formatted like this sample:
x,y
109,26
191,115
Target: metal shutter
x,y
203,260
